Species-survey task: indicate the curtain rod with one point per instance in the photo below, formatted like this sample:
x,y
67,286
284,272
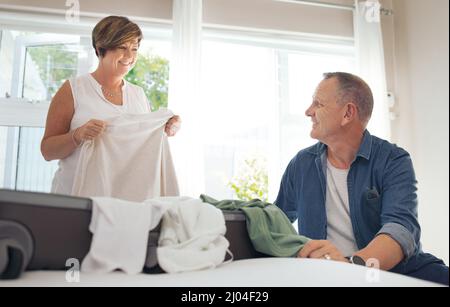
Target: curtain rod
x,y
383,11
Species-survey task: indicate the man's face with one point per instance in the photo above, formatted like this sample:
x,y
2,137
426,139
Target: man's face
x,y
326,114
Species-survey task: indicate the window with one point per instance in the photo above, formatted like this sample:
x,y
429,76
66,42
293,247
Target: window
x,y
46,68
38,64
34,66
255,91
238,91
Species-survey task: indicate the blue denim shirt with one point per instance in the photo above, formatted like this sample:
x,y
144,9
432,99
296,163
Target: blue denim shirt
x,y
382,197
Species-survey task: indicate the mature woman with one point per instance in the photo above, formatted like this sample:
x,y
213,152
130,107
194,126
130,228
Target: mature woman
x,y
78,110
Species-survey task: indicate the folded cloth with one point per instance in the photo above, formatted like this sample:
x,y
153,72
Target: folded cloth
x,y
192,236
120,233
268,227
130,161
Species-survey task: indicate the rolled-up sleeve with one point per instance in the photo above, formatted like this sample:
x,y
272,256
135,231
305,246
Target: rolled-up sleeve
x,y
399,210
402,236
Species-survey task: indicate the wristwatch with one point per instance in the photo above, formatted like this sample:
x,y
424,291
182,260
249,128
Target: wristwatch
x,y
357,260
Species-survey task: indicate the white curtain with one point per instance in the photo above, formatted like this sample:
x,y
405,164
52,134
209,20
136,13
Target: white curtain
x,y
370,63
184,83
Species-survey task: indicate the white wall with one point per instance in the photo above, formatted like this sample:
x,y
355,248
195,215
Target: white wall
x,y
161,9
262,14
275,15
417,50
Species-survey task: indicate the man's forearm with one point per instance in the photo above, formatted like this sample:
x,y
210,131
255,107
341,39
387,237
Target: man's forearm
x,y
385,250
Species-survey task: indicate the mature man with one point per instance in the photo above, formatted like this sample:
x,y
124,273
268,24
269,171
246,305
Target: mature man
x,y
355,194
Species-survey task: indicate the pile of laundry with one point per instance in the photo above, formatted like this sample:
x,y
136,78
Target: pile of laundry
x,y
190,233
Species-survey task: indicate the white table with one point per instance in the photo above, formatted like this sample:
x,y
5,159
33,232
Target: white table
x,y
260,272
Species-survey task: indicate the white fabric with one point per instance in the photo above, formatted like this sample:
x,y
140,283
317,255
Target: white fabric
x,y
339,224
184,94
192,236
120,234
131,160
370,60
258,272
89,103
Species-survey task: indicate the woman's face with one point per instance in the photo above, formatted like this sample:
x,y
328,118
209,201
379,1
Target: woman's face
x,y
121,60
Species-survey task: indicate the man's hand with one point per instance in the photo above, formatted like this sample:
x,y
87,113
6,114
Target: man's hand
x,y
173,125
321,249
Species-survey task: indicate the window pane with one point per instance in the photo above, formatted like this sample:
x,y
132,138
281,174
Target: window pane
x,y
8,156
34,65
47,67
22,166
6,62
255,98
33,172
3,137
238,90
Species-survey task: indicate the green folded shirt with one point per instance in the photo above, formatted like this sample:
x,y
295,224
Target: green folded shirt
x,y
268,227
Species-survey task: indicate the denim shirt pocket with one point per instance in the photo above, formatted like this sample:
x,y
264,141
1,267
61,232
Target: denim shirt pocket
x,y
371,209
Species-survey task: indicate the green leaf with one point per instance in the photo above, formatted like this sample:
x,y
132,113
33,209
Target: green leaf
x,y
252,180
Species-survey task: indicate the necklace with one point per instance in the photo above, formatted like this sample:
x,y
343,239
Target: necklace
x,y
111,94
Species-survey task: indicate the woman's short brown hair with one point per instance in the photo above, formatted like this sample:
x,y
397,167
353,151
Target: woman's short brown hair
x,y
113,31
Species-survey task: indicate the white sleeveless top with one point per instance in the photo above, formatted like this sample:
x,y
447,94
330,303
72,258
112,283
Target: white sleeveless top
x,y
90,103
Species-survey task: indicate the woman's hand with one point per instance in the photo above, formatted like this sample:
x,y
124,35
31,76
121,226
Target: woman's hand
x,y
89,131
173,125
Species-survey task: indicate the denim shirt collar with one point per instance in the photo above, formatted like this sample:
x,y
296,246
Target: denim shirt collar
x,y
364,151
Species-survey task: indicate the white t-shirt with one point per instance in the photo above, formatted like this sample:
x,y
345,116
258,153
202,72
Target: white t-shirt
x,y
90,103
339,224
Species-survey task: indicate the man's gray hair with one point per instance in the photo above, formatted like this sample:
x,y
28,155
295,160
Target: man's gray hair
x,y
353,89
